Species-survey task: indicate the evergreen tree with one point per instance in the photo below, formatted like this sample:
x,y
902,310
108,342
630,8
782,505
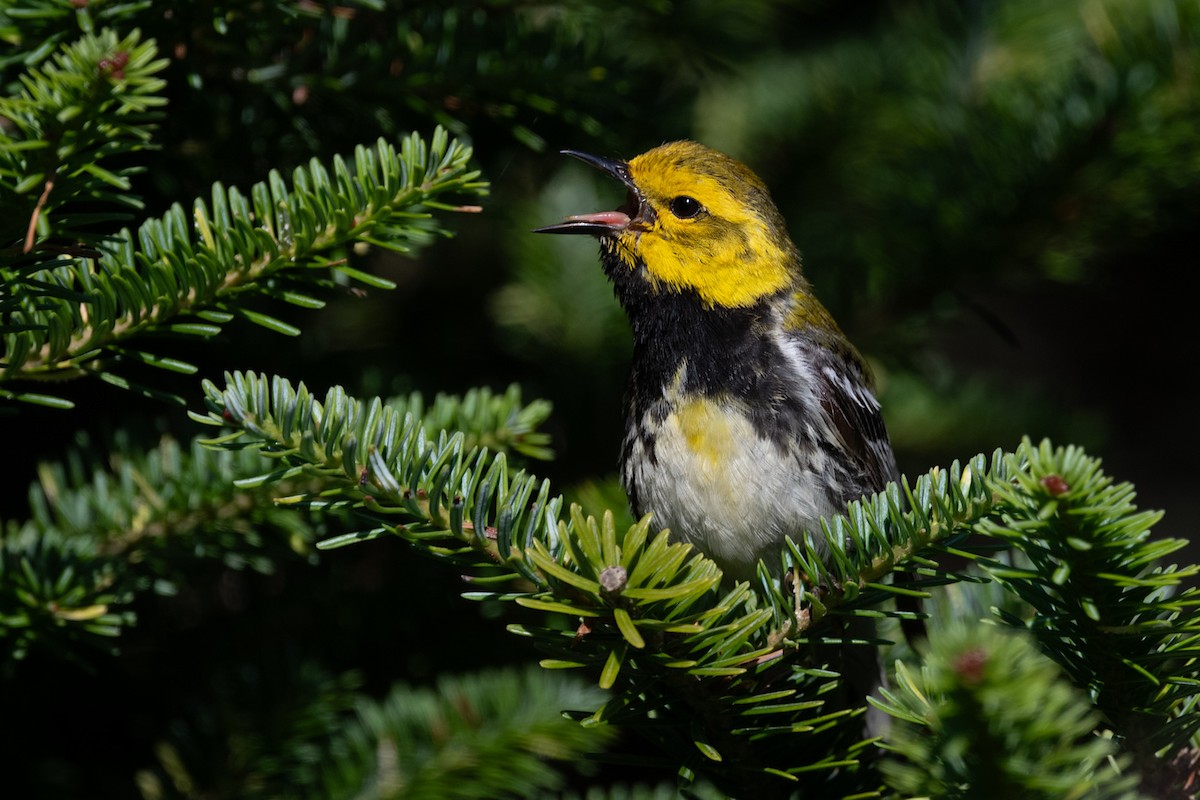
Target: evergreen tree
x,y
180,614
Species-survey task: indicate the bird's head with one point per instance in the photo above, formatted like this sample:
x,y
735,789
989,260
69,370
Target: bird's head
x,y
695,221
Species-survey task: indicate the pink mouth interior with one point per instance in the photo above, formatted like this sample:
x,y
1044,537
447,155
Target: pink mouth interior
x,y
613,219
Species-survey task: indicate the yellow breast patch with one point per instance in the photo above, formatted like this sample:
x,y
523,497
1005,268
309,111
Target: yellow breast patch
x,y
707,429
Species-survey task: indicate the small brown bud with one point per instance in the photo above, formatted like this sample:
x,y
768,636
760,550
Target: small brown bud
x,y
613,580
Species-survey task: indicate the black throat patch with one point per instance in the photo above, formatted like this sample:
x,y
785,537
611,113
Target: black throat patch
x,y
728,352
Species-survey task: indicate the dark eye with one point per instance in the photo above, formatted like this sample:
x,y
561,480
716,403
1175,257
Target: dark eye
x,y
686,207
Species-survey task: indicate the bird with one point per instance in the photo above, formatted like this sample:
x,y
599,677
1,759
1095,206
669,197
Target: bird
x,y
749,414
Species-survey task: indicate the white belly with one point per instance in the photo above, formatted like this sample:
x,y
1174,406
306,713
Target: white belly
x,y
715,482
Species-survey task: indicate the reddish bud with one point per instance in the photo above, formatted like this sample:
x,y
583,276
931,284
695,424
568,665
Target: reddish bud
x,y
114,66
1055,485
971,664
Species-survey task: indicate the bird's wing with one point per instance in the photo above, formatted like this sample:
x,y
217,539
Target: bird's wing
x,y
855,421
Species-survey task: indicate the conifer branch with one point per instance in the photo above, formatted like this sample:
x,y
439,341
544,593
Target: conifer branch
x,y
1119,621
972,723
498,422
73,296
100,533
653,622
846,566
74,119
500,733
650,612
468,735
272,242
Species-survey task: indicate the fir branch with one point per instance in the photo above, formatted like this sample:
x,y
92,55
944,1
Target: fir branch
x,y
261,727
656,628
101,532
273,242
1121,624
33,30
497,422
846,565
55,595
990,717
92,105
138,505
286,729
496,734
752,670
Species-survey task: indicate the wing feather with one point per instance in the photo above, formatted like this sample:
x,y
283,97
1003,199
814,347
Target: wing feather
x,y
855,421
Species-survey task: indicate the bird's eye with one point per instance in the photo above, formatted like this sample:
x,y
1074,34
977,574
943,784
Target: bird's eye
x,y
685,207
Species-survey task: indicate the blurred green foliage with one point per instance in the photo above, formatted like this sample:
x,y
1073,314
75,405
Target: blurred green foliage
x,y
974,687
312,735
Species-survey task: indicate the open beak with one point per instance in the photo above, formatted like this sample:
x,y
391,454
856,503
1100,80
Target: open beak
x,y
601,223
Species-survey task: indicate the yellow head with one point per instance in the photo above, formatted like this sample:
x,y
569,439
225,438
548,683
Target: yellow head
x,y
696,221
